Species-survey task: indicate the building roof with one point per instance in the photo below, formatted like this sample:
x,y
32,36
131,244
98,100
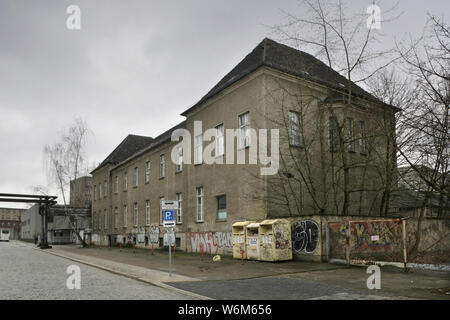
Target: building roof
x,y
291,61
162,138
130,145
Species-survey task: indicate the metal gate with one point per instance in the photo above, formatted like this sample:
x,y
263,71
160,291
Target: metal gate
x,y
367,241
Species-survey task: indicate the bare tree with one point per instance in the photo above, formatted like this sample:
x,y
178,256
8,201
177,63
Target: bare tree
x,y
425,123
344,41
66,162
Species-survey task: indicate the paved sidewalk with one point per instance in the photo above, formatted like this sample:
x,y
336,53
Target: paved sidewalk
x,y
204,278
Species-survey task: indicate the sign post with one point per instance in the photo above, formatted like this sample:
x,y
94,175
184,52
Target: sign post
x,y
168,209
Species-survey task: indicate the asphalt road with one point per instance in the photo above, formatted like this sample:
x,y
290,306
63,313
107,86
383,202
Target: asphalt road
x,y
26,273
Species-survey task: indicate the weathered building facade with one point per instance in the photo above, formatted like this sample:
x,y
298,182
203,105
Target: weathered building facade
x,y
275,87
10,219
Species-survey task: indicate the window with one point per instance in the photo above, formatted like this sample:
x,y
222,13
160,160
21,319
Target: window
x,y
99,191
362,138
106,219
219,140
106,189
350,135
136,214
334,143
179,165
94,222
125,181
180,208
162,166
200,204
147,212
294,129
136,177
116,185
161,218
116,218
244,130
222,207
125,216
198,149
95,193
147,172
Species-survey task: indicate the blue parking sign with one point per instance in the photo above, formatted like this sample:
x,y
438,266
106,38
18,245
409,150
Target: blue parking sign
x,y
168,215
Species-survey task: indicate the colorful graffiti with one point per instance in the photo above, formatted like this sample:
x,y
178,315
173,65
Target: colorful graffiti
x,y
305,236
375,235
154,234
210,241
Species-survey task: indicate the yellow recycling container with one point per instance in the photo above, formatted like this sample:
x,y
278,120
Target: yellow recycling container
x,y
275,240
238,234
252,240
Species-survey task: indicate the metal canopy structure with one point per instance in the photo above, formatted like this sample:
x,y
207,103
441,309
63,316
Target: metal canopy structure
x,y
44,202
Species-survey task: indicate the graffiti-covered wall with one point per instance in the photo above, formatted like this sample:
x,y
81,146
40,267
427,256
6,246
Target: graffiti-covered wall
x,y
211,242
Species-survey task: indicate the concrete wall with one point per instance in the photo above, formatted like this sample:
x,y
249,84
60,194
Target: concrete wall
x,y
31,223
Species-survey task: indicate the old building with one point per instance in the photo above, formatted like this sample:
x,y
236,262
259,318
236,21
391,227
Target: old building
x,y
10,219
275,87
31,223
80,192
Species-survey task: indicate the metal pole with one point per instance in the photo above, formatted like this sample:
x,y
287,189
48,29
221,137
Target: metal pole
x,y
405,258
169,238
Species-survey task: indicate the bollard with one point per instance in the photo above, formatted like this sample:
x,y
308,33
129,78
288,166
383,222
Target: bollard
x,y
134,248
174,248
121,246
242,256
152,248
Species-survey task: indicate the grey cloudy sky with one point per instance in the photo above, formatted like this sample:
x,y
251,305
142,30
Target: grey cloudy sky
x,y
132,68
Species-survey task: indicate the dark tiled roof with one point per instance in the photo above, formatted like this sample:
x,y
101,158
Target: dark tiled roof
x,y
129,146
162,138
289,60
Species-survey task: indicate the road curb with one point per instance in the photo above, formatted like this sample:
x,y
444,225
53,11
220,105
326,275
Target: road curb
x,y
156,284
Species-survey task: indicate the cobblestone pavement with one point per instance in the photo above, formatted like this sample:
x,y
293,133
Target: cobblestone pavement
x,y
275,288
26,273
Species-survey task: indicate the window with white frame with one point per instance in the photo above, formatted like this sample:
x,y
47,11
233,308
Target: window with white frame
x,y
125,215
180,208
362,138
136,177
350,135
147,212
100,191
125,181
198,149
95,193
222,207
220,140
147,172
179,165
136,214
200,204
162,166
116,185
116,218
106,189
161,216
244,130
106,219
334,135
294,129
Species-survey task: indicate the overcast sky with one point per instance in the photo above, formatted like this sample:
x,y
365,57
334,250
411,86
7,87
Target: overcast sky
x,y
132,68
